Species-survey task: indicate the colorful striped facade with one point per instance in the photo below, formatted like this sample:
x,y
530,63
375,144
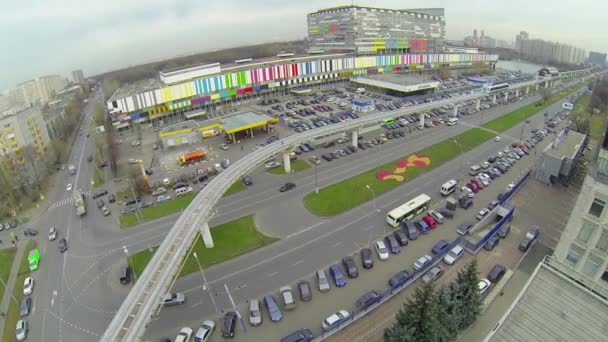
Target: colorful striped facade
x,y
144,105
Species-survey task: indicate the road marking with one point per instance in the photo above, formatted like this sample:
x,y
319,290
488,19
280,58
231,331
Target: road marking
x,y
72,324
297,263
305,229
272,274
53,298
197,304
337,244
240,287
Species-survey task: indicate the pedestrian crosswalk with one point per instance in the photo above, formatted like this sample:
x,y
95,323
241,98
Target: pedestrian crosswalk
x,y
66,201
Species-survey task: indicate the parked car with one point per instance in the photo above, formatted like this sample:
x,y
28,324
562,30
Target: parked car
x,y
446,212
322,281
400,237
171,299
410,230
287,186
432,274
422,261
440,247
289,302
338,276
464,228
496,273
350,266
255,314
25,307
21,330
381,250
304,290
271,165
301,335
437,216
482,213
52,233
504,231
368,299
228,324
529,238
430,221
392,244
483,286
491,243
399,279
367,260
335,320
422,226
274,312
453,255
247,180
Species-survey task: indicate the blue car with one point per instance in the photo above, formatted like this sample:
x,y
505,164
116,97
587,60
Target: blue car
x,y
422,226
337,275
399,279
440,247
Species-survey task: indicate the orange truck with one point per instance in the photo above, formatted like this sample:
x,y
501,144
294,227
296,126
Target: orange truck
x,y
191,157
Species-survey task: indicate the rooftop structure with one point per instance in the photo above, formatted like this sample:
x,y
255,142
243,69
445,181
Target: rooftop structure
x,y
553,306
397,84
246,121
557,162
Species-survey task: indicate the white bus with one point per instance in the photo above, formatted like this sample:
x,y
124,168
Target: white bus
x,y
452,121
408,210
497,87
448,187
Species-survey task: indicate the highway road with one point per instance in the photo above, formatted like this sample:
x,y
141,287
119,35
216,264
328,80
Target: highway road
x,y
77,293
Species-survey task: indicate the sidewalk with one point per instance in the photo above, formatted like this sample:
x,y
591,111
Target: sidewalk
x,y
11,281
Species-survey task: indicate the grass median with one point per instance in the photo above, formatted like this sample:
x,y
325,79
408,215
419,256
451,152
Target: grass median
x,y
231,239
237,186
12,316
349,193
6,262
157,211
296,166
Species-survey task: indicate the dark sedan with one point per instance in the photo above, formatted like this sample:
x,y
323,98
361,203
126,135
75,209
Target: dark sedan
x,y
366,258
351,268
287,187
63,245
228,324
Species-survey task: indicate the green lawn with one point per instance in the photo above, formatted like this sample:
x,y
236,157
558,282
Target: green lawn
x,y
237,186
349,193
13,309
98,177
231,239
162,209
6,261
596,121
296,165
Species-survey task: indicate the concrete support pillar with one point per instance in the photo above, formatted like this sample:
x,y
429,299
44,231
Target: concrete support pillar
x,y
206,235
517,92
478,105
546,84
251,132
421,123
536,87
506,97
355,138
286,161
455,114
494,99
527,90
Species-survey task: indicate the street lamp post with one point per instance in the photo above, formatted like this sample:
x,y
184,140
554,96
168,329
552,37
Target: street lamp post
x,y
316,181
137,203
128,261
205,285
460,147
373,197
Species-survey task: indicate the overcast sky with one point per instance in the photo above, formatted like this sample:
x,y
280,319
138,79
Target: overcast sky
x,y
55,36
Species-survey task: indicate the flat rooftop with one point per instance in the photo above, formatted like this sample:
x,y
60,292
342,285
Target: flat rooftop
x,y
554,308
133,88
396,81
565,144
240,122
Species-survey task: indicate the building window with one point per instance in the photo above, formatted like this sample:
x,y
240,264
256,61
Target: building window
x,y
602,242
574,254
592,265
584,235
597,207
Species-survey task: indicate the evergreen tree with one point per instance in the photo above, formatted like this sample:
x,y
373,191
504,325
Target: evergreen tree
x,y
468,295
447,310
417,320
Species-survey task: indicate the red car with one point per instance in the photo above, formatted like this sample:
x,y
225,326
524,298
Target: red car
x,y
430,221
473,187
477,182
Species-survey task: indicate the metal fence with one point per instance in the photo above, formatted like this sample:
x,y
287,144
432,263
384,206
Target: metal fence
x,y
388,293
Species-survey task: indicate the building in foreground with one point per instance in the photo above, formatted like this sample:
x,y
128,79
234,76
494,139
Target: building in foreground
x,y
78,76
182,94
21,129
558,160
557,304
371,30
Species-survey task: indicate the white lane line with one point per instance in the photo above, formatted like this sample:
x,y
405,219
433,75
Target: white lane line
x,y
305,229
272,274
53,298
297,263
337,244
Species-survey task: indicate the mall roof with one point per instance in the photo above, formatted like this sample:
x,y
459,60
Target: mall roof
x,y
396,81
241,122
565,144
553,308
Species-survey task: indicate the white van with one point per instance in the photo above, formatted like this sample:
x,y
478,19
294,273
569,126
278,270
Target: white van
x,y
452,121
567,106
474,170
182,191
448,187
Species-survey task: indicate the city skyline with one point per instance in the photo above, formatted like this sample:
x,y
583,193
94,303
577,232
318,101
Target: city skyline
x,y
113,34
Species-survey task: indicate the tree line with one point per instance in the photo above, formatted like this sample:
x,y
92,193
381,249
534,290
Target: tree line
x,y
439,314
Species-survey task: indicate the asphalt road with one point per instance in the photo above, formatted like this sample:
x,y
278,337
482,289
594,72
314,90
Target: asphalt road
x,y
77,292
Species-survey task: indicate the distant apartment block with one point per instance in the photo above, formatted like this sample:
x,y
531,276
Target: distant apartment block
x,y
358,29
547,51
597,58
21,129
78,76
38,91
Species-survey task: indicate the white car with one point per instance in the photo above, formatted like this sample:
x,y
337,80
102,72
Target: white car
x,y
69,187
184,335
485,165
469,192
500,155
483,286
482,213
271,165
423,260
203,334
381,250
255,314
510,187
484,177
507,150
497,139
335,319
52,233
21,330
453,255
28,286
437,216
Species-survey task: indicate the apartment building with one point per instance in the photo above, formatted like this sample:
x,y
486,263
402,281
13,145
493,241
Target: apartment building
x,y
21,129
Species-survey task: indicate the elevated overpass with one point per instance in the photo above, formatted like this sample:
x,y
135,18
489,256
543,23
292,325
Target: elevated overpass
x,y
137,310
